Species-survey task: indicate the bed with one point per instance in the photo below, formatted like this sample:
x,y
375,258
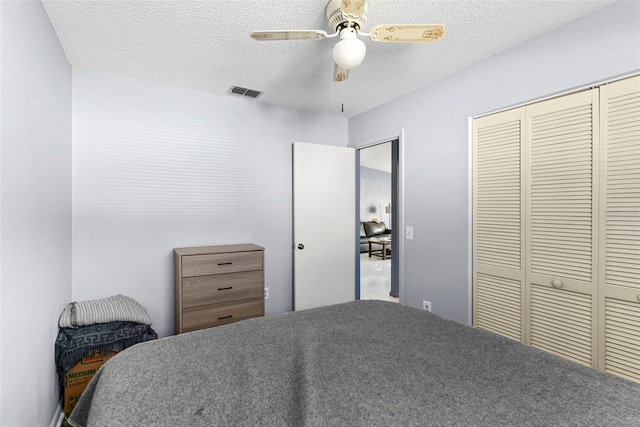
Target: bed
x,y
364,363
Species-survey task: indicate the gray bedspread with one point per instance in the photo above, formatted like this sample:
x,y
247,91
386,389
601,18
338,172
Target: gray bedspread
x,y
365,363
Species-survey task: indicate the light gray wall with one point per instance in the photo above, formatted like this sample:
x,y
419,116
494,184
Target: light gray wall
x,y
375,190
1,50
436,123
35,202
158,167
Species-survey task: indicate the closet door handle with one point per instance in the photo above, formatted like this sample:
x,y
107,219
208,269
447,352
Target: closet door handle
x,y
556,283
638,297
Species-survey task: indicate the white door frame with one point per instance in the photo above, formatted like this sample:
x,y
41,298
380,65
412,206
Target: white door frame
x,y
399,211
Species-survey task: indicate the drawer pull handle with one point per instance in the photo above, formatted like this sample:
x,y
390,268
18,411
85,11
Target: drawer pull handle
x,y
225,263
225,289
225,317
556,283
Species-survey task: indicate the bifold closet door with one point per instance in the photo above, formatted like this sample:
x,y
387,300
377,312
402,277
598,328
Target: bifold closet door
x,y
561,225
498,227
620,228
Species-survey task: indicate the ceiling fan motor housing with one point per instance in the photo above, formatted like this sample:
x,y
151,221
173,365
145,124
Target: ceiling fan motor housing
x,y
338,21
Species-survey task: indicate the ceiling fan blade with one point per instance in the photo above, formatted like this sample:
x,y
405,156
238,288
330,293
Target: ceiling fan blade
x,y
340,74
288,35
406,33
353,9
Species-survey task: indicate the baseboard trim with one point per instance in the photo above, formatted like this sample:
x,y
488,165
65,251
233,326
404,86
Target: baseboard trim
x,y
58,416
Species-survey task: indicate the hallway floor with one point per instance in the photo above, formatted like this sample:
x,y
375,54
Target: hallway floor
x,y
375,278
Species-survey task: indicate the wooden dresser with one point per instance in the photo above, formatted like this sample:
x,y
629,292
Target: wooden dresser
x,y
216,285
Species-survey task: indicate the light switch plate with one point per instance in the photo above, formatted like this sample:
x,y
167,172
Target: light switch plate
x,y
409,233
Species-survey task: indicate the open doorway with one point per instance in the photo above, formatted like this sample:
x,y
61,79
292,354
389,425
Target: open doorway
x,y
377,172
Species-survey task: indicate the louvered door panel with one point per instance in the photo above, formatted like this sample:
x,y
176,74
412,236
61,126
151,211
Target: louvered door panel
x,y
561,193
498,305
621,130
622,338
620,225
498,226
561,323
498,197
562,213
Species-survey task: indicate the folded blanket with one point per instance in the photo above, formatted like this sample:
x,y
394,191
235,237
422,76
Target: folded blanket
x,y
112,309
73,344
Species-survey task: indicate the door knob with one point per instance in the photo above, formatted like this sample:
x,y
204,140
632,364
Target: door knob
x,y
556,283
300,246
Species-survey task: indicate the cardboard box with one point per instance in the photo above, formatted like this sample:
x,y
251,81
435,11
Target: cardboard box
x,y
77,378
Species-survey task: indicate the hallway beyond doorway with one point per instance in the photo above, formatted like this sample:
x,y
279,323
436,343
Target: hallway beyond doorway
x,y
375,278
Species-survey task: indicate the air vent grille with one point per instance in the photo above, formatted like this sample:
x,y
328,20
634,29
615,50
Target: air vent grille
x,y
243,91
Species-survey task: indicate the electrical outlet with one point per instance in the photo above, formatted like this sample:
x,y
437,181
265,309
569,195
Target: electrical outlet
x,y
266,293
426,305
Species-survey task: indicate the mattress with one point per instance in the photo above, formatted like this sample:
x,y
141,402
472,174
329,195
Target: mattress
x,y
363,363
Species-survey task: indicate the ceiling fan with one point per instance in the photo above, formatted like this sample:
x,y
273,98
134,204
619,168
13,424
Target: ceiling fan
x,y
347,18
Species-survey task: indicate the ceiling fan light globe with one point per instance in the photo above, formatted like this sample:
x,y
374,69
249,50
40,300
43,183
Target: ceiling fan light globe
x,y
349,53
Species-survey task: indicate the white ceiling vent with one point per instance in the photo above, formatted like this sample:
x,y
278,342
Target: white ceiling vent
x,y
237,90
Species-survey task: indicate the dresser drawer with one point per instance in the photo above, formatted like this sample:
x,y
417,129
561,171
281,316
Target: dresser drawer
x,y
201,265
207,316
204,290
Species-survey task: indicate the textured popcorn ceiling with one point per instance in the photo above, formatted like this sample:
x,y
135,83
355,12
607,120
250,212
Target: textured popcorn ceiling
x,y
205,44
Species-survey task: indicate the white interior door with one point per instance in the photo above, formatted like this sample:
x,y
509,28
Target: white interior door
x,y
324,200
